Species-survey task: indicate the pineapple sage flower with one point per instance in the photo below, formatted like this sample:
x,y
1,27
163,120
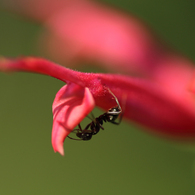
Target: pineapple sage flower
x,y
146,102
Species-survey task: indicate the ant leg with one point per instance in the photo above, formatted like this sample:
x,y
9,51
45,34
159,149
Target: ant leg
x,y
120,119
96,122
80,129
115,99
74,139
92,117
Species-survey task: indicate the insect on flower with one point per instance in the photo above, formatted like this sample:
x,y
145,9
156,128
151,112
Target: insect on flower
x,y
94,127
166,111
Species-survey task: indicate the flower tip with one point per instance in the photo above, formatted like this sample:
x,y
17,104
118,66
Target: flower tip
x,y
61,150
58,148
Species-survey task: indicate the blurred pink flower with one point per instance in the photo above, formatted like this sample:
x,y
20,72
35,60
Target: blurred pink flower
x,y
146,102
86,30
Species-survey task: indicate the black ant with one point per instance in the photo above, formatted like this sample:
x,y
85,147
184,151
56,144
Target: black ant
x,y
94,127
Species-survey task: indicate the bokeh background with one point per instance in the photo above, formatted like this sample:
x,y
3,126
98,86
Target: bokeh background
x,y
123,159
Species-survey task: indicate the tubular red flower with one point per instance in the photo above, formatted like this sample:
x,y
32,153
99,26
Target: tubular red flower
x,y
146,102
142,101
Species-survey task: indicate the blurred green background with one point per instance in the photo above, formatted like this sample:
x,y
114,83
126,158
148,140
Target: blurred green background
x,y
120,160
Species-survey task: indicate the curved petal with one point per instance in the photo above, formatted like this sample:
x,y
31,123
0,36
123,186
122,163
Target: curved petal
x,y
71,105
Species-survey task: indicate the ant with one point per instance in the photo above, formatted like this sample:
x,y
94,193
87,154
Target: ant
x,y
94,127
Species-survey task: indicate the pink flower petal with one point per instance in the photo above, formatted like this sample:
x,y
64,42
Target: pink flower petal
x,y
71,105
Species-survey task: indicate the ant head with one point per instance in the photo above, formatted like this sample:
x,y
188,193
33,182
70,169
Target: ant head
x,y
113,113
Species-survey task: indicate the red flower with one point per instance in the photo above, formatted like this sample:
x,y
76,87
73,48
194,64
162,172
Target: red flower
x,y
146,102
